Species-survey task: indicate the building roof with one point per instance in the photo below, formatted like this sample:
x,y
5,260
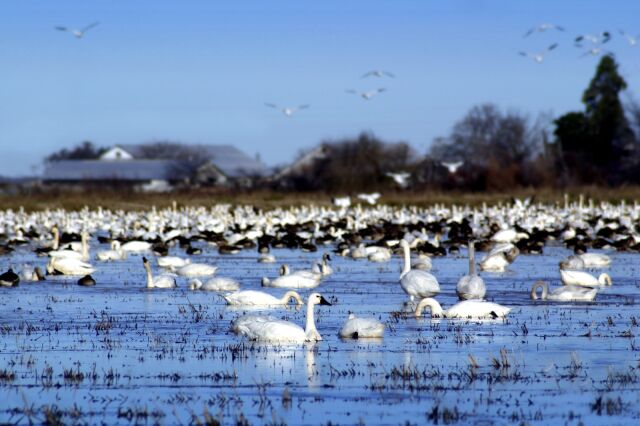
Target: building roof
x,y
130,170
227,158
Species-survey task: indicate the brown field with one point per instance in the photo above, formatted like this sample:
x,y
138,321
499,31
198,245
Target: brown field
x,y
126,199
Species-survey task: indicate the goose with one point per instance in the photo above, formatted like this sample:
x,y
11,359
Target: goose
x,y
9,279
378,73
452,167
369,198
69,266
30,274
603,37
215,284
566,293
367,95
471,286
414,282
260,298
465,309
86,281
358,328
172,262
542,28
287,111
263,329
116,253
400,178
584,278
161,281
539,56
197,270
632,40
136,246
77,33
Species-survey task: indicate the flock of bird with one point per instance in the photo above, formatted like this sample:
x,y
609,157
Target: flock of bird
x,y
592,44
374,234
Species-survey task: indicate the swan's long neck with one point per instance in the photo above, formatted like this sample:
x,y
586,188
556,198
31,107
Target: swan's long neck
x,y
545,290
310,328
85,247
56,238
292,295
407,259
472,258
149,275
432,304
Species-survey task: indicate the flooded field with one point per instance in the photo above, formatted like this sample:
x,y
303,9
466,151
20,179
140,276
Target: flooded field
x,y
121,353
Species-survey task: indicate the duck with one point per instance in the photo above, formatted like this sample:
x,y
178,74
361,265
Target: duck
x,y
260,298
584,278
197,270
215,284
477,309
69,266
471,286
566,293
9,279
161,281
359,328
264,329
86,281
416,283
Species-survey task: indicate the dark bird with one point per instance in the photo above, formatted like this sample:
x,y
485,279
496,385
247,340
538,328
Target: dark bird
x,y
9,279
87,281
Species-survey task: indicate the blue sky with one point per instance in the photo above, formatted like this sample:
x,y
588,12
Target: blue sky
x,y
201,71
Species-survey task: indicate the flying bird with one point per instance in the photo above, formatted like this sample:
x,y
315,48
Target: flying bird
x,y
539,57
288,111
378,73
401,178
370,198
603,37
633,40
368,94
542,28
594,51
452,167
78,33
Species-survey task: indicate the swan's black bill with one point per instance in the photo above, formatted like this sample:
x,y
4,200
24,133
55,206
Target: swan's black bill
x,y
324,302
144,259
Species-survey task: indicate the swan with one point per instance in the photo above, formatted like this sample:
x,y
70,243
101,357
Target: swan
x,y
542,28
567,293
452,167
73,250
291,281
197,270
572,262
366,95
414,282
369,198
401,178
9,279
69,266
116,253
423,263
136,246
215,284
30,274
471,286
595,260
584,278
263,329
260,298
238,324
172,262
464,309
266,258
494,263
161,281
323,267
287,111
378,254
539,56
357,328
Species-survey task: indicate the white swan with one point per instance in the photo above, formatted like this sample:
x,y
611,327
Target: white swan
x,y
266,258
215,284
566,293
422,262
263,329
116,253
414,282
136,246
378,254
572,262
595,260
464,309
30,274
74,250
584,278
323,267
69,266
161,281
287,111
197,270
291,281
358,328
471,286
171,262
494,263
260,298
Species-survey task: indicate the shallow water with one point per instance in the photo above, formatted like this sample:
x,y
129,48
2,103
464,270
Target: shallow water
x,y
120,353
